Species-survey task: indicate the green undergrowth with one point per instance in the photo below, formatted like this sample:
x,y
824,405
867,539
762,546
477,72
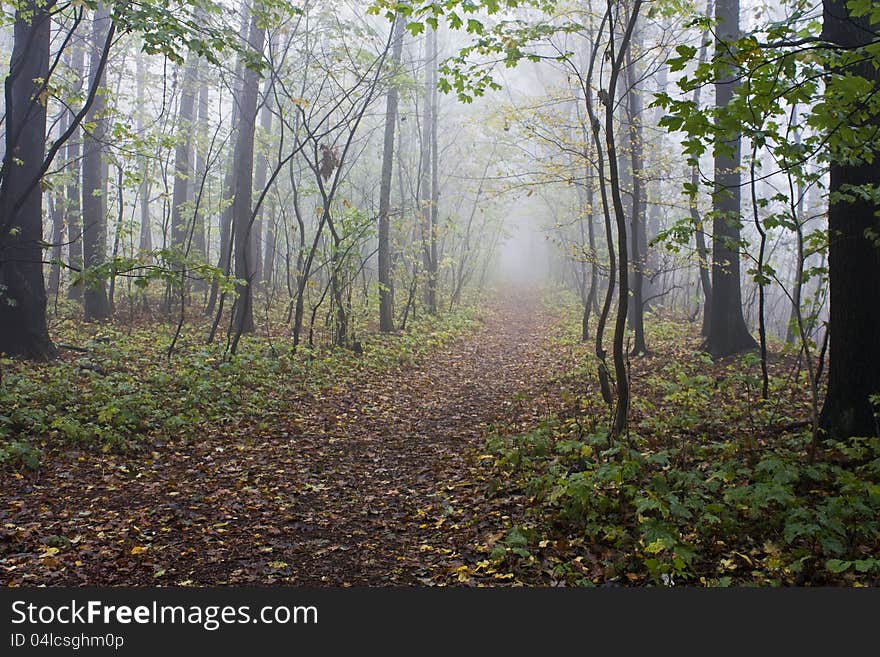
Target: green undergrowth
x,y
712,486
118,390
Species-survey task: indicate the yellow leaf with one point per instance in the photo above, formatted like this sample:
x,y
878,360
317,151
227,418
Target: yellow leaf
x,y
139,549
745,557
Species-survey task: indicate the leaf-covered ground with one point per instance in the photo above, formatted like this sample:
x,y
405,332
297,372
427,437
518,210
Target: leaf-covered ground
x,y
381,480
472,450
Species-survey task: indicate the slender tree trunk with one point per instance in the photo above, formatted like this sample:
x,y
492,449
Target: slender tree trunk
x,y
637,219
260,175
621,411
117,234
425,169
386,296
592,291
74,188
595,128
145,241
792,333
434,274
23,329
762,281
200,246
59,216
698,221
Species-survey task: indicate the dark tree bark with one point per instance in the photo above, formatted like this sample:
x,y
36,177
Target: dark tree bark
x,y
386,296
242,206
23,330
94,181
728,333
853,257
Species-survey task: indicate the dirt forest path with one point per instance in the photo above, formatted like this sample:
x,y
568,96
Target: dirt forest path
x,y
378,482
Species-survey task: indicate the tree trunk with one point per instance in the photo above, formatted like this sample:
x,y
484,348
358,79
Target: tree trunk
x,y
698,221
853,258
260,176
183,166
242,207
23,330
199,247
145,241
386,297
59,215
74,189
426,178
224,259
639,245
434,274
728,333
94,182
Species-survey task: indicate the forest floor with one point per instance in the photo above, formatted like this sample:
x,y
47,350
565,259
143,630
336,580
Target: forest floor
x,y
379,481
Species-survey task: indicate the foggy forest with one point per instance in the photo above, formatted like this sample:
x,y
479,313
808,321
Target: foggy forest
x,y
460,293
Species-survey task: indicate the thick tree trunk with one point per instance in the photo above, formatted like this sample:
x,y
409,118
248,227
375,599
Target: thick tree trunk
x,y
94,181
853,259
23,330
728,333
386,296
